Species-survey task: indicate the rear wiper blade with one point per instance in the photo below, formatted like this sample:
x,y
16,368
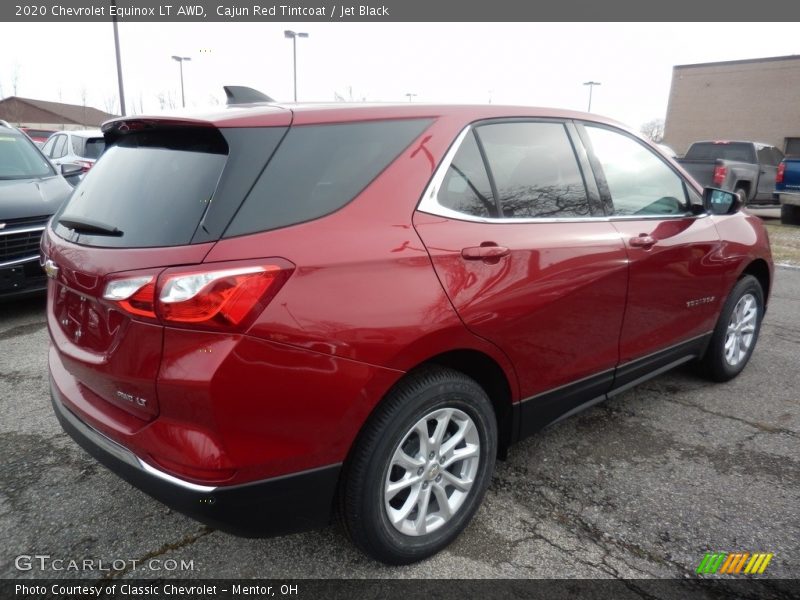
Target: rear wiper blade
x,y
89,226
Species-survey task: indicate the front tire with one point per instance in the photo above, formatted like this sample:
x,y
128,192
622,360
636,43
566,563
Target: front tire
x,y
736,332
420,468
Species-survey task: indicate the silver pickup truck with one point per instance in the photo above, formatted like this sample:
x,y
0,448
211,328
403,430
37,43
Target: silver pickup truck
x,y
746,168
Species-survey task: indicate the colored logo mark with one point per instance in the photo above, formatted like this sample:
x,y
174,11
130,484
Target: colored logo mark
x,y
734,563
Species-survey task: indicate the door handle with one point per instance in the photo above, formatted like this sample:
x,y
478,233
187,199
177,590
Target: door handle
x,y
642,241
487,253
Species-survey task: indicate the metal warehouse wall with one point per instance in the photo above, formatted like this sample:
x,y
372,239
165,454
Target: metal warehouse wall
x,y
757,100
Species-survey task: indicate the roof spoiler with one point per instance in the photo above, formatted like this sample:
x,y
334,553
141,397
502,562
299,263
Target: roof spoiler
x,y
238,94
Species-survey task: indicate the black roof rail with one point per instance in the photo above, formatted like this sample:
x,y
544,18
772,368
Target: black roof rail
x,y
239,94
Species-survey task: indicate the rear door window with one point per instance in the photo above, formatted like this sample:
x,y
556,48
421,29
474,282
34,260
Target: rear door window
x,y
318,169
535,170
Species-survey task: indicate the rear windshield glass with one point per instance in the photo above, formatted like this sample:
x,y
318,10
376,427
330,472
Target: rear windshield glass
x,y
711,151
317,169
88,147
94,148
152,186
19,158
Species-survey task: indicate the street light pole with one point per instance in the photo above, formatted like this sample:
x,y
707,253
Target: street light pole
x,y
180,60
119,61
591,84
293,35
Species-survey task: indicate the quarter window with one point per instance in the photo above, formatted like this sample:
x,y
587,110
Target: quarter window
x,y
466,188
535,170
640,183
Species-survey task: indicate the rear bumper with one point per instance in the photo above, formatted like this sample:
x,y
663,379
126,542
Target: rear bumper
x,y
286,504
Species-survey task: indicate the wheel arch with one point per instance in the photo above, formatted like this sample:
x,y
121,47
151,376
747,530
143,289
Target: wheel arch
x,y
759,269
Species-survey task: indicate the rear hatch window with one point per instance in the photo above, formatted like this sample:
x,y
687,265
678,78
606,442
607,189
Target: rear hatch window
x,y
725,151
151,189
90,148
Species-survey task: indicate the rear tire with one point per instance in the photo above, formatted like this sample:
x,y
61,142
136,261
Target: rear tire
x,y
405,497
742,193
790,214
736,332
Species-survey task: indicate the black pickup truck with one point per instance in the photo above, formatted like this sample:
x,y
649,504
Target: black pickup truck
x,y
746,168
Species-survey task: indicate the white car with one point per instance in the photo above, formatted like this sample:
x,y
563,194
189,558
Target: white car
x,y
81,147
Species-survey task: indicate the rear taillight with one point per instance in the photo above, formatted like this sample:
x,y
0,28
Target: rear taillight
x,y
720,173
779,174
212,297
134,295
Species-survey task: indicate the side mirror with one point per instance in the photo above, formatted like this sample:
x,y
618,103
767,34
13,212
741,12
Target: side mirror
x,y
721,202
71,169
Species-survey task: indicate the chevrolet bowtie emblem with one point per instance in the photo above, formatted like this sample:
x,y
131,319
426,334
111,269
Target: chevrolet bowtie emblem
x,y
51,269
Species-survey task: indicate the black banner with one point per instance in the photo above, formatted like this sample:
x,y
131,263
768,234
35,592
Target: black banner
x,y
261,11
406,589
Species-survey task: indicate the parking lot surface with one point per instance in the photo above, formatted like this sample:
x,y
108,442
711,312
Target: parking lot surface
x,y
640,486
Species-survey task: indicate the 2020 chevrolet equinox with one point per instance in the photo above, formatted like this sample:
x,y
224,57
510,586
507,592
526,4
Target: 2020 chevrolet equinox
x,y
270,314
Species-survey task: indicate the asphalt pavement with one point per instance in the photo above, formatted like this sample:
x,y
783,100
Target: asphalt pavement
x,y
640,486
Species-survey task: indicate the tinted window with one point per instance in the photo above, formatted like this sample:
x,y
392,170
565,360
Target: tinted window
x,y
19,158
724,150
154,186
535,170
640,182
93,148
317,169
466,187
88,147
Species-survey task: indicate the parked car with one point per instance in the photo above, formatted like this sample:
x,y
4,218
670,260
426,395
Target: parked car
x,y
274,310
39,136
746,168
30,192
81,147
787,186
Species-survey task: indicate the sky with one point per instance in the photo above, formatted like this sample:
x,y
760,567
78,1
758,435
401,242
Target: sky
x,y
534,64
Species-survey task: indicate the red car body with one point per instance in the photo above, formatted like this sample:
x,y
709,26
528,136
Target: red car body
x,y
218,421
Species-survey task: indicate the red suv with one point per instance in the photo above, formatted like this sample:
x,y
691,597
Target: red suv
x,y
275,313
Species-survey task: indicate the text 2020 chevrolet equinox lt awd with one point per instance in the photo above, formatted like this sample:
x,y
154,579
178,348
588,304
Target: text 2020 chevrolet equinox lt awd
x,y
272,314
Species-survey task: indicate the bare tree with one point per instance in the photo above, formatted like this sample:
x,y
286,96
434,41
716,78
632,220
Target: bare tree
x,y
110,104
653,130
166,101
15,79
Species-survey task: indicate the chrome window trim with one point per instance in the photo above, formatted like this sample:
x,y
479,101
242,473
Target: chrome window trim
x,y
429,203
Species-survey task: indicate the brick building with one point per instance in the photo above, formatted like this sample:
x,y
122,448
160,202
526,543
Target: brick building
x,y
755,99
42,114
